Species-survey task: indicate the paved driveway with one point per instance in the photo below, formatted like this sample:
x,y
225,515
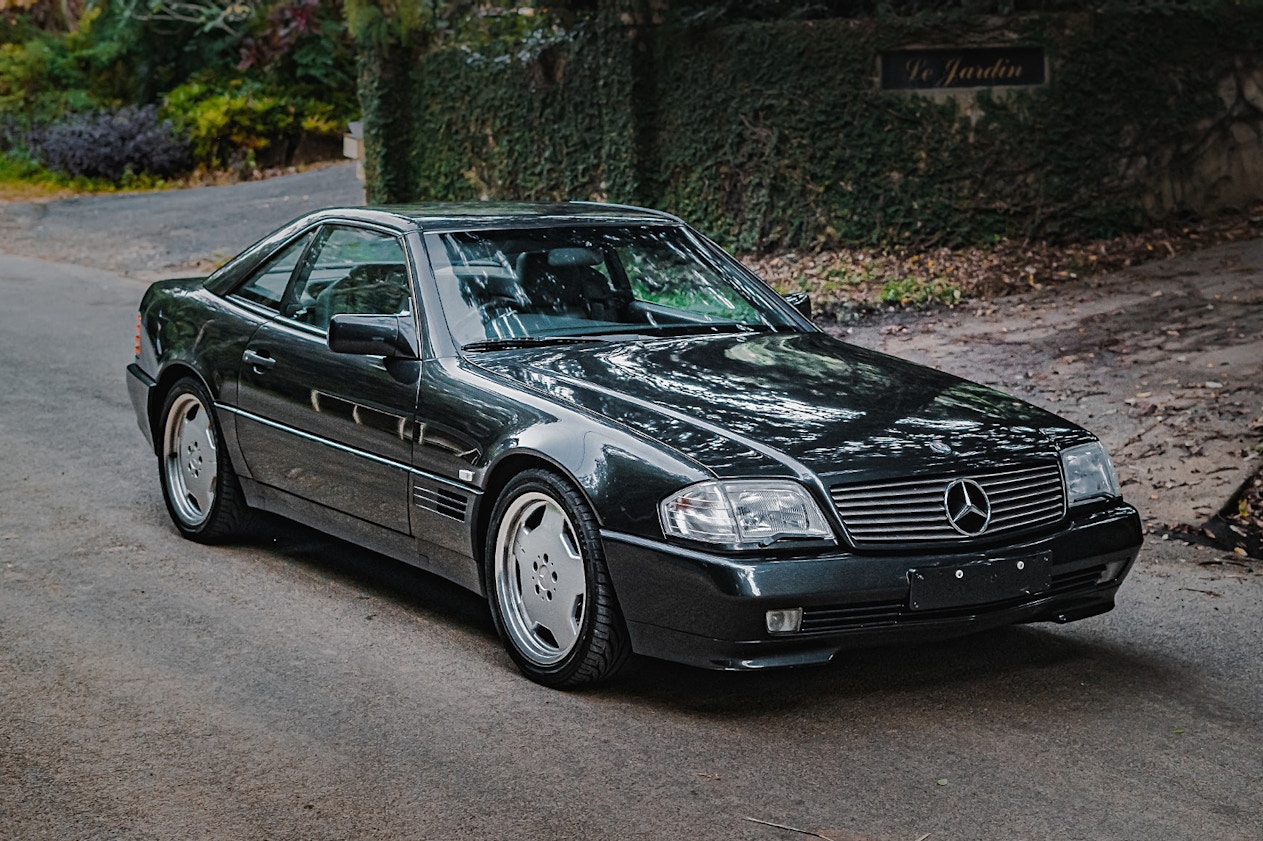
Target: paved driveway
x,y
295,687
153,235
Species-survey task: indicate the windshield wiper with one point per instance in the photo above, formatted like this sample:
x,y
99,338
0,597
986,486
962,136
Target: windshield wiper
x,y
701,328
525,341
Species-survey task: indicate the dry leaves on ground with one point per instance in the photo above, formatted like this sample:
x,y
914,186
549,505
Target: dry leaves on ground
x,y
846,283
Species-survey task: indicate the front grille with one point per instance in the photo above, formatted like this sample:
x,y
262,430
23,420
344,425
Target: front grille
x,y
912,511
885,614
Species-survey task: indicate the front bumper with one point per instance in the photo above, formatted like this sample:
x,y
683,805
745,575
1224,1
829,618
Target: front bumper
x,y
709,610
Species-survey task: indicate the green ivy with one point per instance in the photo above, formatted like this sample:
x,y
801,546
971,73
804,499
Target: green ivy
x,y
773,132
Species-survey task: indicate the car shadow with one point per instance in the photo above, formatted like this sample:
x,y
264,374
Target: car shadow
x,y
376,575
1015,666
1021,663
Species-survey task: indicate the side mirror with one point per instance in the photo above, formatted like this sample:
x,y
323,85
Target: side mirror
x,y
800,301
391,336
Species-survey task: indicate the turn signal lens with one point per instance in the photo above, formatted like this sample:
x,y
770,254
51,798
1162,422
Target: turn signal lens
x,y
699,513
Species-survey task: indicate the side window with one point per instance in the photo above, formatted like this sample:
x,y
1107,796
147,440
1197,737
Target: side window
x,y
354,271
267,285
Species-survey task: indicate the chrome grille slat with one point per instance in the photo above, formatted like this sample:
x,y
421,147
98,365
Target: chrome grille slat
x,y
1026,509
925,507
1038,495
899,515
898,492
1026,503
912,510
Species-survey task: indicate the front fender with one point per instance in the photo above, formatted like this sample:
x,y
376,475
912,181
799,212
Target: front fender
x,y
622,472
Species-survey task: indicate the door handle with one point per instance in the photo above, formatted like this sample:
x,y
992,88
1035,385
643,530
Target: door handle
x,y
257,360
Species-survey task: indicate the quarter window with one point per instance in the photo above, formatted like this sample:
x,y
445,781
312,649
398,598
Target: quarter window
x,y
267,286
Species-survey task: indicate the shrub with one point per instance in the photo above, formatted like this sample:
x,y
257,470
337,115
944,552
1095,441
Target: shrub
x,y
39,79
12,135
100,144
245,123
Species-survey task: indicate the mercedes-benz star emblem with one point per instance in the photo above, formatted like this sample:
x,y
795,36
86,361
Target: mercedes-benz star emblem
x,y
968,509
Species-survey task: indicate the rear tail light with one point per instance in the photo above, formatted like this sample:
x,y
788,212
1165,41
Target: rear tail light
x,y
138,335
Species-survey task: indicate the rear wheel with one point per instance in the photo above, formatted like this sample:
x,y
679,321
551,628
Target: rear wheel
x,y
548,585
199,485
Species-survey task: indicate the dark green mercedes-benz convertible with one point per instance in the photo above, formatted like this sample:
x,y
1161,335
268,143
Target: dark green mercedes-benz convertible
x,y
628,442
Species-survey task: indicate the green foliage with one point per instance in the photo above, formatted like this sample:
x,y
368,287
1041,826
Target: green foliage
x,y
244,123
246,81
25,173
475,24
708,11
42,78
771,132
303,47
19,167
106,60
529,130
918,292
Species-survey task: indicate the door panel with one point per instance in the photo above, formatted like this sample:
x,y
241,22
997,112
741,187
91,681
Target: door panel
x,y
333,428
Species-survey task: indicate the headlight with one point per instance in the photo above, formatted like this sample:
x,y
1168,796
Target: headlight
x,y
742,514
1089,473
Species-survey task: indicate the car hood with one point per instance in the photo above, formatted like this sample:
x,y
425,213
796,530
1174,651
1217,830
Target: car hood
x,y
753,404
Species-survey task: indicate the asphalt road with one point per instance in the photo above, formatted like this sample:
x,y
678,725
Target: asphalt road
x,y
153,235
295,687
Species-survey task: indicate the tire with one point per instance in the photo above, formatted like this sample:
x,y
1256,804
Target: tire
x,y
200,488
550,592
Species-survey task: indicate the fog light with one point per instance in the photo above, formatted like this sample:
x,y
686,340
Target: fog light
x,y
785,621
1111,571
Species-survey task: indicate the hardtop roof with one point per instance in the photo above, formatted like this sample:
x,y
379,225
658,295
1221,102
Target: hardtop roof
x,y
447,216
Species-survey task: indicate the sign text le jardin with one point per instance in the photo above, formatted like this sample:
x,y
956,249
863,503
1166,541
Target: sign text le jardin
x,y
972,67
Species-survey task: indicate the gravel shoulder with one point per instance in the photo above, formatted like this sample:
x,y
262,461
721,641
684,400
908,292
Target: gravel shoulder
x,y
1164,361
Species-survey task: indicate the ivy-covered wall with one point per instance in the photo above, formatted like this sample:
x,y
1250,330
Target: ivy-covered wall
x,y
775,133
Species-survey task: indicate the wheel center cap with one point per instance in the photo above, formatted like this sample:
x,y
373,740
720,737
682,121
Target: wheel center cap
x,y
544,578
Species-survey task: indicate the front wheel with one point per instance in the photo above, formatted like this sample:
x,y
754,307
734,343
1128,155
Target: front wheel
x,y
201,490
548,585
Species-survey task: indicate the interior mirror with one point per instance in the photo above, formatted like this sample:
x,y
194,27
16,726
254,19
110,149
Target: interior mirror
x,y
373,335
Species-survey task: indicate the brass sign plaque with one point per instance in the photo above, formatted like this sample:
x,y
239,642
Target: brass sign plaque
x,y
953,69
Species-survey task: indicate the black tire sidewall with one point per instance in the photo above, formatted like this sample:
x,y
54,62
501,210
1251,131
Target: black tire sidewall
x,y
560,675
223,471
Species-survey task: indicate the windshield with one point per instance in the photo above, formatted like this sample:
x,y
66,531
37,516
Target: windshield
x,y
501,287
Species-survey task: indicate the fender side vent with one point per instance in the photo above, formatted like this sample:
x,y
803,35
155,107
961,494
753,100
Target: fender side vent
x,y
442,501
